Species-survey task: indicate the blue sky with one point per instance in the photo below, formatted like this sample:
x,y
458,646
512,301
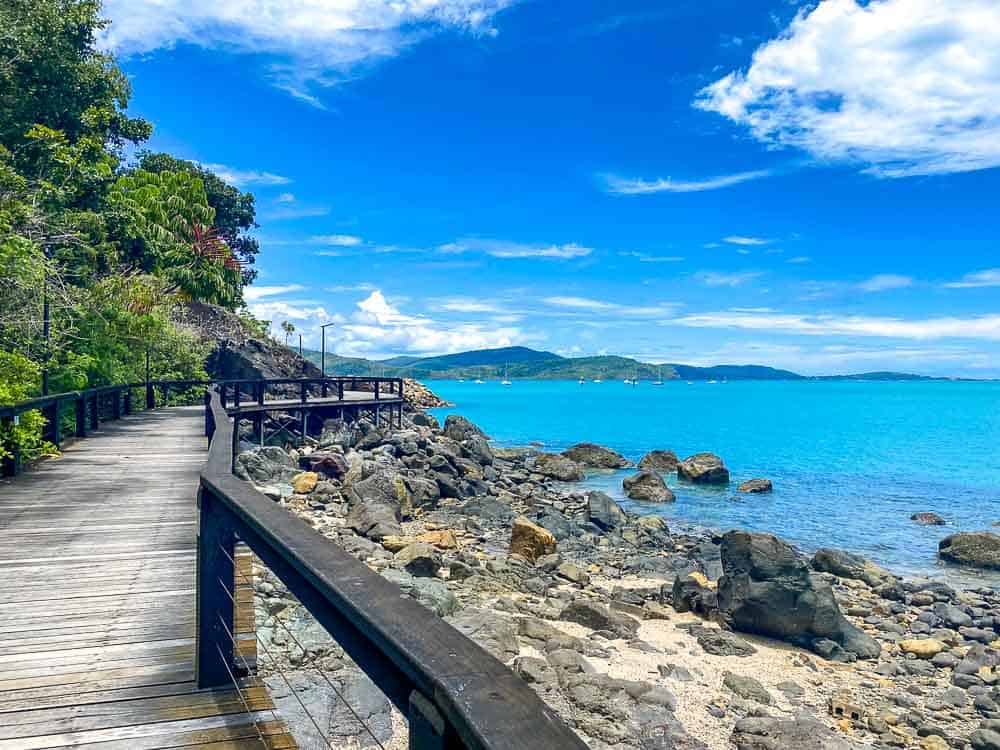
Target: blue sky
x,y
805,186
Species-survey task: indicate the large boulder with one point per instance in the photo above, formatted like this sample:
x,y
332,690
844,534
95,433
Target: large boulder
x,y
978,549
703,468
845,565
477,448
265,465
665,461
647,486
768,589
458,428
529,540
596,456
376,503
559,467
604,512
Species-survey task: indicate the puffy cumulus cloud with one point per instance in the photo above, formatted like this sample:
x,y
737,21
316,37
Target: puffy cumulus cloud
x,y
507,249
378,327
906,87
315,41
636,186
983,327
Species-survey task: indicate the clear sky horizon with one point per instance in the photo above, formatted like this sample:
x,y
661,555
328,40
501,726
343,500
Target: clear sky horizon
x,y
807,186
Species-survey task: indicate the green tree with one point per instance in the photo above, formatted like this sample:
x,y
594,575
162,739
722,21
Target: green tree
x,y
235,211
289,328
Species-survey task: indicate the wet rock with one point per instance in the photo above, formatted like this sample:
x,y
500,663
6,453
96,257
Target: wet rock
x,y
755,486
596,456
703,468
529,540
647,486
767,589
662,461
604,512
927,519
556,466
979,549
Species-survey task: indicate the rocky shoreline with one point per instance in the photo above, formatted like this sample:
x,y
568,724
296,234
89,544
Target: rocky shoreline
x,y
639,637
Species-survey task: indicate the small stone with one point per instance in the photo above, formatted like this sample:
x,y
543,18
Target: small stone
x,y
419,559
927,518
529,540
748,688
756,486
444,539
305,482
925,648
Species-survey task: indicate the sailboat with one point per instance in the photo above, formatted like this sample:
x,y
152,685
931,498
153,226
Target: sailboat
x,y
659,376
506,380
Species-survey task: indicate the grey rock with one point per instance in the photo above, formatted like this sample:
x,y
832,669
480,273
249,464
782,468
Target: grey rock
x,y
927,518
979,549
599,617
556,466
748,688
604,512
647,486
756,486
458,428
703,468
491,630
663,461
846,565
596,456
765,733
419,559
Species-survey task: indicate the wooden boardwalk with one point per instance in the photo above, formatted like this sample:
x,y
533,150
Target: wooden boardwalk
x,y
97,595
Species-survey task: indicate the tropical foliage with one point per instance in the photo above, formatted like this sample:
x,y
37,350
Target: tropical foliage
x,y
107,251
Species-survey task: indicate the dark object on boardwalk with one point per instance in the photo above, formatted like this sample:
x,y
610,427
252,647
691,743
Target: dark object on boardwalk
x,y
647,486
768,589
927,518
665,461
846,565
604,512
765,733
978,549
703,468
596,456
756,486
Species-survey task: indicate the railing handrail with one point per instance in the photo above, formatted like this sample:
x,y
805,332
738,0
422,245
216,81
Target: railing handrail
x,y
406,651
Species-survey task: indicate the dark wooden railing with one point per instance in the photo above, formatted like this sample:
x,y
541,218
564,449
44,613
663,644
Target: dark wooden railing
x,y
455,694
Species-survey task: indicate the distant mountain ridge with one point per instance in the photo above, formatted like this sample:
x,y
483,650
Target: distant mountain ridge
x,y
525,363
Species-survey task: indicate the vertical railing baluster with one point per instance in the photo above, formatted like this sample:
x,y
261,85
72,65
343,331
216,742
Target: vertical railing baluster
x,y
216,593
81,416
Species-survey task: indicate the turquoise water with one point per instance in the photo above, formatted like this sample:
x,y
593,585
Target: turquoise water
x,y
850,461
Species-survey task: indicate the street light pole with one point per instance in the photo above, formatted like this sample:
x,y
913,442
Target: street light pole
x,y
323,352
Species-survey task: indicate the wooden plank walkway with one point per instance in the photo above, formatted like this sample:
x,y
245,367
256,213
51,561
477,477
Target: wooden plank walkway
x,y
97,595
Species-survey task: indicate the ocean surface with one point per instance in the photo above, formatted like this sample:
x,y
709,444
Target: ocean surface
x,y
850,461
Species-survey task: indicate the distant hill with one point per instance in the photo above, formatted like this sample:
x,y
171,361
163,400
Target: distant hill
x,y
520,362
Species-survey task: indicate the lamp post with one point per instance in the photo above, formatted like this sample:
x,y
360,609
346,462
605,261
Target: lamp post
x,y
323,352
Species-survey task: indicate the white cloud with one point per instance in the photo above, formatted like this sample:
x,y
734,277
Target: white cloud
x,y
254,293
718,278
466,305
650,258
885,281
984,327
907,87
379,327
799,259
285,198
506,249
364,286
586,304
244,177
316,42
286,212
339,240
989,277
637,186
736,239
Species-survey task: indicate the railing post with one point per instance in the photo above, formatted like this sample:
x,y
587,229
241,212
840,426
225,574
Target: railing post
x,y
56,427
236,440
214,660
95,412
116,409
128,401
236,396
150,396
340,391
400,387
260,392
323,388
222,394
81,417
209,417
302,391
378,383
166,394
